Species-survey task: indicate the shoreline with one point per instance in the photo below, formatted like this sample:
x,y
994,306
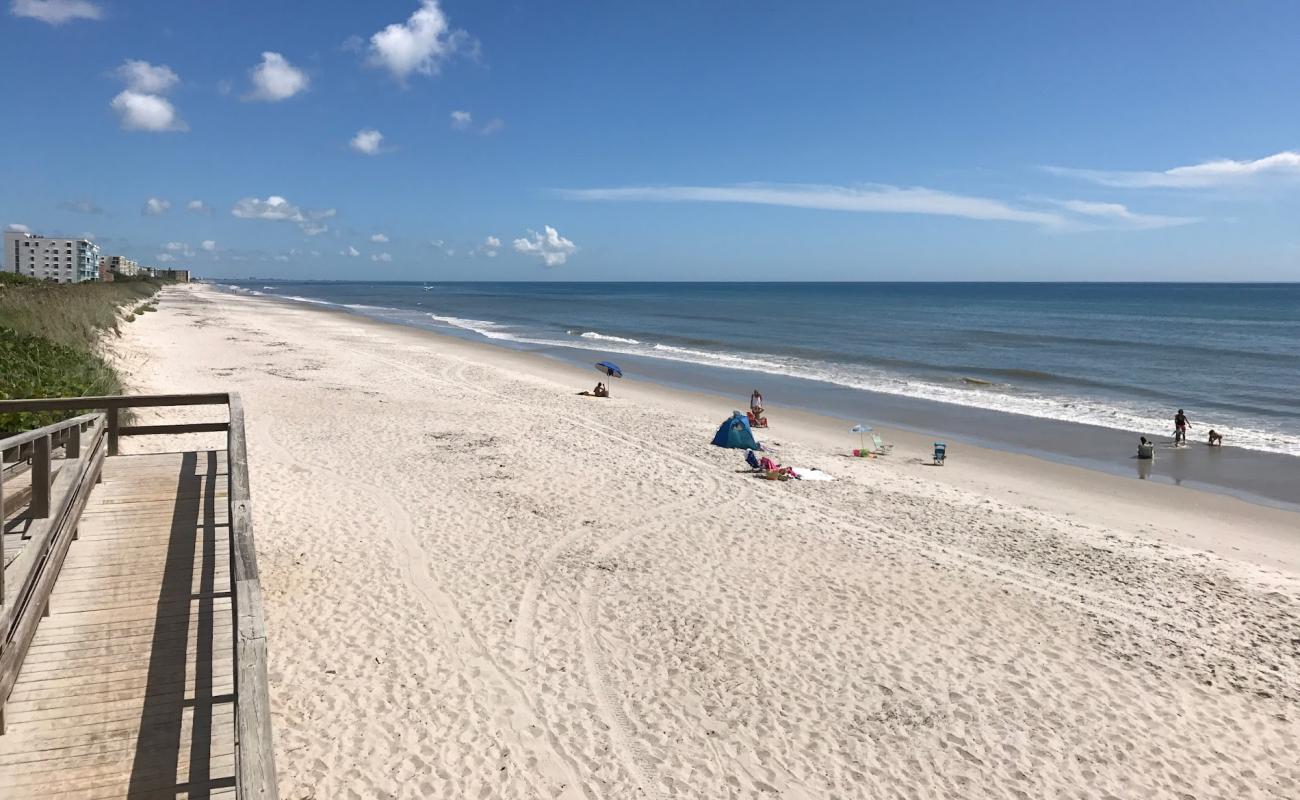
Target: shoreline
x,y
480,584
1257,476
1267,531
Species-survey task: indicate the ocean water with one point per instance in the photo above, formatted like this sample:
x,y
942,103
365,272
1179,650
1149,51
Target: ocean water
x,y
1120,356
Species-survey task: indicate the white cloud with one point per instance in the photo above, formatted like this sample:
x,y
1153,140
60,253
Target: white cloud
x,y
367,141
379,238
18,227
464,121
155,207
552,248
209,245
1117,215
147,112
141,106
198,207
165,258
179,247
352,44
281,257
1221,172
490,247
351,252
276,79
56,12
381,257
421,44
146,78
871,198
278,209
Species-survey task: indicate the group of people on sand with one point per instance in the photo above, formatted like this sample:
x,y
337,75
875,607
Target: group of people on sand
x,y
1147,448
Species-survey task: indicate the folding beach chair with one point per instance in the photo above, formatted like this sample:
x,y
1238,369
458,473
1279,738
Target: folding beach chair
x,y
881,447
940,451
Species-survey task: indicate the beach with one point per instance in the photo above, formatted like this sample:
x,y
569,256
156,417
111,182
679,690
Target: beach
x,y
480,584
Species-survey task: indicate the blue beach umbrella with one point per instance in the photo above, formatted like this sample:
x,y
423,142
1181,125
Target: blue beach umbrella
x,y
609,369
862,431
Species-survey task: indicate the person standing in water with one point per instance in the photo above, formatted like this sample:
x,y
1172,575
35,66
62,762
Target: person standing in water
x,y
1180,427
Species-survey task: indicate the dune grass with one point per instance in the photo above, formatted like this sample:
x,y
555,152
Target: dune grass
x,y
49,335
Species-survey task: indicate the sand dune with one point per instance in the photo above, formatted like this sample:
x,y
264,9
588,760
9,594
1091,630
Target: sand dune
x,y
480,585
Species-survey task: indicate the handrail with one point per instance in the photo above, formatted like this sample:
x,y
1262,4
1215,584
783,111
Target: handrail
x,y
254,752
114,404
26,437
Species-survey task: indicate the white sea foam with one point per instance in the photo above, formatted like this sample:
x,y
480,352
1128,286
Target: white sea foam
x,y
483,327
298,299
998,397
600,337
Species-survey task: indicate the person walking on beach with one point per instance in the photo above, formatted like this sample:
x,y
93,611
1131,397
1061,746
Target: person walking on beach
x,y
1180,427
756,404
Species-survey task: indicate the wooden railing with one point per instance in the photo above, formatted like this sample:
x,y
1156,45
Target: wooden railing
x,y
54,507
254,755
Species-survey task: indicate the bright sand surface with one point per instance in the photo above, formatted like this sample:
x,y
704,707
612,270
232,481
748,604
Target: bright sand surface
x,y
479,584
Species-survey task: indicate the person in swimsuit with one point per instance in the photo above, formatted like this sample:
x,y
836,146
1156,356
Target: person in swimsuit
x,y
1180,427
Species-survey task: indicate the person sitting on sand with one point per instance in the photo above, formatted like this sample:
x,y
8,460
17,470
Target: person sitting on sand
x,y
1146,450
1216,438
600,390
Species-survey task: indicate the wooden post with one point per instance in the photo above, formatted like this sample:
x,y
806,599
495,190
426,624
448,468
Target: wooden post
x,y
72,447
41,478
112,431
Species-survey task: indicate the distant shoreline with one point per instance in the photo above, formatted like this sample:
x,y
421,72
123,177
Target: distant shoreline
x,y
1262,478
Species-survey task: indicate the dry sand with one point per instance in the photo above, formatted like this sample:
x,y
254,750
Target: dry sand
x,y
481,585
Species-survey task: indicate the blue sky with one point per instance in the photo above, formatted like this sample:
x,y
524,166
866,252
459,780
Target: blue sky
x,y
675,140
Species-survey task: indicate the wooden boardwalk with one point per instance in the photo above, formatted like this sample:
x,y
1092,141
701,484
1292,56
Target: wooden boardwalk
x,y
127,689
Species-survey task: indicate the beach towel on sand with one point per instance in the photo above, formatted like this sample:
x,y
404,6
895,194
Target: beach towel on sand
x,y
806,474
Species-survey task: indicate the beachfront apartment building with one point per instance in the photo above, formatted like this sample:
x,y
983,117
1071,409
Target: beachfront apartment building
x,y
51,258
123,266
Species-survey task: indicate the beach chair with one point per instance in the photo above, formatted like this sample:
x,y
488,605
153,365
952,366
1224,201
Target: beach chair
x,y
940,452
881,447
756,421
752,461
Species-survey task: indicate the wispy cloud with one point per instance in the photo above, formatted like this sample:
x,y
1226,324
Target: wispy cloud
x,y
80,207
1208,174
1116,215
1060,216
56,12
278,209
870,198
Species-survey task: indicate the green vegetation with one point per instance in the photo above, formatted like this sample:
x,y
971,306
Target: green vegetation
x,y
48,340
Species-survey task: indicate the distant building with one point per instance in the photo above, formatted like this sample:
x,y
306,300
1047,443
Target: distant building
x,y
182,275
105,274
123,266
62,260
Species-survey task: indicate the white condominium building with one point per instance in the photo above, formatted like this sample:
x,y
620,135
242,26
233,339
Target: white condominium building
x,y
123,265
62,260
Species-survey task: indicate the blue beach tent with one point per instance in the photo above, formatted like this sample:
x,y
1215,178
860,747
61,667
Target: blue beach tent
x,y
735,432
